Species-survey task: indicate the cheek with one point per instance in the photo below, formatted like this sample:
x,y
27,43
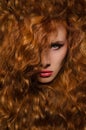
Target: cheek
x,y
63,52
58,57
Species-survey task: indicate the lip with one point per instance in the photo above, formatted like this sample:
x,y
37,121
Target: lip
x,y
45,73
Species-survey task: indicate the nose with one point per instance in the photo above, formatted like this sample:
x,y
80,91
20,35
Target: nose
x,y
45,59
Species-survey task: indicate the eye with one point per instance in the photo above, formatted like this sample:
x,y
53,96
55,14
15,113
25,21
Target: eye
x,y
56,45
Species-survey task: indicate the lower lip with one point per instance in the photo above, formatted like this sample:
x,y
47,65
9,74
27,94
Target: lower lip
x,y
46,74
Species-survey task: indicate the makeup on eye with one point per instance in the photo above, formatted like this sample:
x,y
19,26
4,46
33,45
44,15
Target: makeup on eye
x,y
56,45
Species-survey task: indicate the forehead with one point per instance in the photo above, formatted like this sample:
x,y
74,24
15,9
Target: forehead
x,y
59,33
48,31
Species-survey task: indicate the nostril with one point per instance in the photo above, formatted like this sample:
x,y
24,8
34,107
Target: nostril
x,y
47,65
44,65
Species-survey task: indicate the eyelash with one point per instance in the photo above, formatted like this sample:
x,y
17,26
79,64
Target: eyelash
x,y
56,46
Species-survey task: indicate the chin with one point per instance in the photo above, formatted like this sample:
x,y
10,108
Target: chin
x,y
45,80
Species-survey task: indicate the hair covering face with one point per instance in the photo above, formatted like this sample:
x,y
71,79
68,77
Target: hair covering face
x,y
24,103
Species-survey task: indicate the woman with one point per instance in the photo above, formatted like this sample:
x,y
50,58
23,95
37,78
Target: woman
x,y
61,76
43,66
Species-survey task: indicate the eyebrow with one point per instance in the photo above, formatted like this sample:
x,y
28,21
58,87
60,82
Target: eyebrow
x,y
58,42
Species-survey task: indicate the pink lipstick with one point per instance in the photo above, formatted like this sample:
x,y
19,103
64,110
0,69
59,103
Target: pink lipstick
x,y
45,73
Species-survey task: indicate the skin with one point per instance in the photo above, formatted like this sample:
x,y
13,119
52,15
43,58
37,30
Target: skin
x,y
52,58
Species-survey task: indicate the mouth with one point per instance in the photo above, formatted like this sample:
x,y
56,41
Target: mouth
x,y
45,74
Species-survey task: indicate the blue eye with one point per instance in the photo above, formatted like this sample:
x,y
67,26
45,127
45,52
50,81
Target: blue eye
x,y
56,45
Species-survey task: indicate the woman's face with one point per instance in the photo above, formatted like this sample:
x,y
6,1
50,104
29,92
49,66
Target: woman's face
x,y
52,58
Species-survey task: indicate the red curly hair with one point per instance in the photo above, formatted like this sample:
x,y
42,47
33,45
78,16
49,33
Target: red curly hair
x,y
24,103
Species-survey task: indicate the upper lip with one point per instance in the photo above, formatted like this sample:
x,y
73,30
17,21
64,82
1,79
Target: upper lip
x,y
45,71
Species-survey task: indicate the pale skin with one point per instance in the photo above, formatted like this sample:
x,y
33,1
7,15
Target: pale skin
x,y
52,58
